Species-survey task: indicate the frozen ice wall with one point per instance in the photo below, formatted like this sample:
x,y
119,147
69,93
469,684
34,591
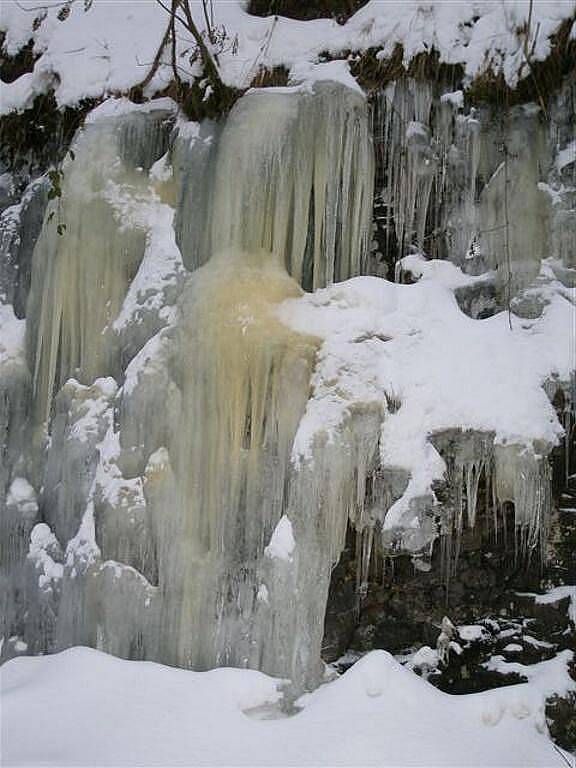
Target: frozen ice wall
x,y
223,484
165,400
183,460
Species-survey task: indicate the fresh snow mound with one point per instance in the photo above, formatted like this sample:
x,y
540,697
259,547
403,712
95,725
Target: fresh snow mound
x,y
92,709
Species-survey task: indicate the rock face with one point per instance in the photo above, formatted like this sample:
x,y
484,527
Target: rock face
x,y
203,465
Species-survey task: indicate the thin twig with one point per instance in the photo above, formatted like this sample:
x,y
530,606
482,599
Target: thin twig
x,y
563,756
157,59
169,10
507,238
207,57
173,43
42,7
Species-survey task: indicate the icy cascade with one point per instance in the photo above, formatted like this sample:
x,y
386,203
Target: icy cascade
x,y
87,254
200,498
89,274
561,183
246,540
219,491
462,184
302,168
220,487
185,532
18,507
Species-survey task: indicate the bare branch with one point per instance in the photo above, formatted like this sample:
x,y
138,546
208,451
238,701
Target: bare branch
x,y
41,7
171,12
210,65
192,95
157,59
173,43
207,20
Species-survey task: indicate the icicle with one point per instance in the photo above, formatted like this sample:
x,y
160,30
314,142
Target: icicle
x,y
429,158
302,167
86,256
524,479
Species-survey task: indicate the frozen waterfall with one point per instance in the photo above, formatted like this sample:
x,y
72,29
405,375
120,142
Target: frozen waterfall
x,y
199,408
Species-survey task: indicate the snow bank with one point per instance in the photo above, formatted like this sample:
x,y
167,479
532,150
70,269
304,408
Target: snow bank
x,y
91,709
411,345
79,63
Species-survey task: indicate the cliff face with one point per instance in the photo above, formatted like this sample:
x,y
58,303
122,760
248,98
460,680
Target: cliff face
x,y
295,382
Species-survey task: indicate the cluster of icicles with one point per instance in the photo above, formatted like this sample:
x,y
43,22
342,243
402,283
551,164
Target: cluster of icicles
x,y
175,526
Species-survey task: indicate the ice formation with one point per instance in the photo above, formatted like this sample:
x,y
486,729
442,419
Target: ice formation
x,y
463,185
209,389
171,399
303,191
80,281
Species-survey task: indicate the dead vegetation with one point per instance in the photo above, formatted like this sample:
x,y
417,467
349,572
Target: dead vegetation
x,y
339,10
541,78
374,72
41,135
202,95
12,67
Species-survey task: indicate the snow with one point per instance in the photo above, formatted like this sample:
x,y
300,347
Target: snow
x,y
92,404
412,344
534,642
79,64
151,359
82,549
425,658
555,595
113,487
471,633
89,708
282,542
112,108
513,648
546,678
12,331
22,496
566,156
42,543
306,73
455,98
161,268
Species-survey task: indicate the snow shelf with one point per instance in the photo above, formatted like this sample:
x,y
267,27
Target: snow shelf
x,y
108,47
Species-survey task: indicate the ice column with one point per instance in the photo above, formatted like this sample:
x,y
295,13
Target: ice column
x,y
86,255
219,490
291,173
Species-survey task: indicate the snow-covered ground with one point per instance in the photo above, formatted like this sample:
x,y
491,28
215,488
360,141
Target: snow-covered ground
x,y
84,708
